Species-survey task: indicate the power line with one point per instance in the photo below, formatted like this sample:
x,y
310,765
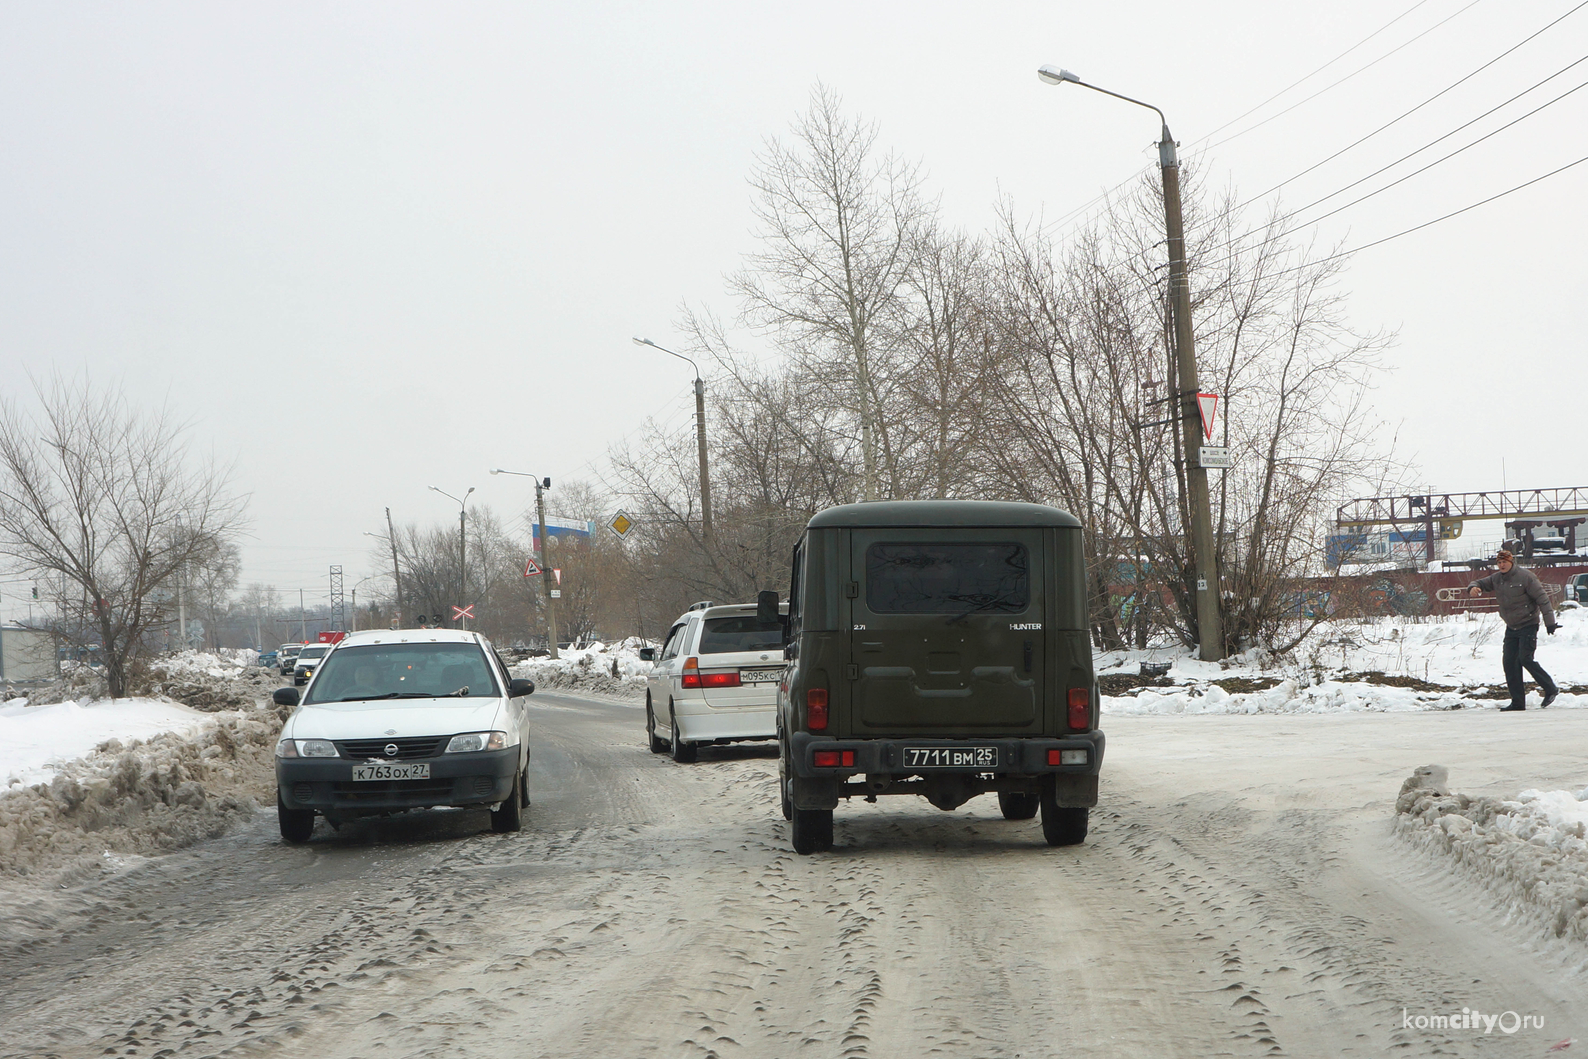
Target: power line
x,y
1416,172
1424,103
1316,72
1436,220
1347,77
1047,229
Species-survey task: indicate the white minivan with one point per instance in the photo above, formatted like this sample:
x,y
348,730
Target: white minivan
x,y
713,680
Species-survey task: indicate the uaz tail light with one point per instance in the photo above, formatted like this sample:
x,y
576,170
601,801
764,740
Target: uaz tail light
x,y
1080,709
816,709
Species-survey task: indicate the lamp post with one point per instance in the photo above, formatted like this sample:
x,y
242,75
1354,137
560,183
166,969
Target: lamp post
x,y
700,436
396,574
1210,625
463,568
360,581
542,484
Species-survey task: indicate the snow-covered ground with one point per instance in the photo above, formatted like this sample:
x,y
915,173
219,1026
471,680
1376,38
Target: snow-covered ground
x,y
1527,844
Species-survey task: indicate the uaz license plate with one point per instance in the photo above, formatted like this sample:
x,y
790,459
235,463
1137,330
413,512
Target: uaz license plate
x,y
391,772
926,757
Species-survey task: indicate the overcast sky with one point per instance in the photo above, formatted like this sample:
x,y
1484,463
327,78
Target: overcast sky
x,y
367,248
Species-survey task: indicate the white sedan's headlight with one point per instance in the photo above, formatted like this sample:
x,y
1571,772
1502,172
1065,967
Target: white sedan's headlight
x,y
316,748
473,741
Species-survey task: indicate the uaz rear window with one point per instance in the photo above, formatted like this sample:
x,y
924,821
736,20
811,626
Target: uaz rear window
x,y
947,578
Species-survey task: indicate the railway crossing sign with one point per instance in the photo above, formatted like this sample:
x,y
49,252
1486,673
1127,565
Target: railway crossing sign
x,y
531,568
460,613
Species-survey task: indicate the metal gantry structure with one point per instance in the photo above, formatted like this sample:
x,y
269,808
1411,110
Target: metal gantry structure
x,y
1429,509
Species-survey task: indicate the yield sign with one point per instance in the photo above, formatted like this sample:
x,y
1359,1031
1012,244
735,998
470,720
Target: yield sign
x,y
531,568
459,613
1207,404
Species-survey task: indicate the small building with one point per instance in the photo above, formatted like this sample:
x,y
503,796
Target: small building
x,y
27,656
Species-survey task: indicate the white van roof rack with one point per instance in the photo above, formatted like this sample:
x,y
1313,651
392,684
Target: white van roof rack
x,y
702,605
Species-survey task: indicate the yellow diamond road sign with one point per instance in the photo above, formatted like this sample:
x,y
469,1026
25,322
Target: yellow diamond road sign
x,y
621,524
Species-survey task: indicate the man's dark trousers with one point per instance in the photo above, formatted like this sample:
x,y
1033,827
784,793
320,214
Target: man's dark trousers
x,y
1520,643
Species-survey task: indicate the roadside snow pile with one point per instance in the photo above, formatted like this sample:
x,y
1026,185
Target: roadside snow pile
x,y
36,742
85,780
1531,850
212,682
1389,665
140,796
614,670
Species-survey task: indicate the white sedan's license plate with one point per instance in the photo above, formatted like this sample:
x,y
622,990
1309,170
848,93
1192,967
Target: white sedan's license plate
x,y
927,757
391,772
760,676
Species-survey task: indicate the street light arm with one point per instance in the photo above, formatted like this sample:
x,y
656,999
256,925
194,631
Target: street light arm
x,y
664,349
1054,76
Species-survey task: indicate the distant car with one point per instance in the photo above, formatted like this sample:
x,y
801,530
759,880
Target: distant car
x,y
267,659
404,719
714,680
308,658
287,654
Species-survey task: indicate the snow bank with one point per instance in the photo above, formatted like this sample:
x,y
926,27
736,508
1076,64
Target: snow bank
x,y
1387,665
140,796
1530,850
36,742
613,670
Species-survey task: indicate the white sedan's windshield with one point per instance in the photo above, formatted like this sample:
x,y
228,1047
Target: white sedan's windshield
x,y
404,670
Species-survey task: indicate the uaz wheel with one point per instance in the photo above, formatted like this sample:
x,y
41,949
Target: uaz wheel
x,y
1062,825
811,830
1017,805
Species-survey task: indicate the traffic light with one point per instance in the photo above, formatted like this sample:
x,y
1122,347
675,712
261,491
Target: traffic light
x,y
35,591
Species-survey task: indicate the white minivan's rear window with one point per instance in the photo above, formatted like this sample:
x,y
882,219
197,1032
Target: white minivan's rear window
x,y
740,633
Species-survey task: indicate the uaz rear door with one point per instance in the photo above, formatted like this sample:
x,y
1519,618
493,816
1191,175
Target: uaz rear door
x,y
947,630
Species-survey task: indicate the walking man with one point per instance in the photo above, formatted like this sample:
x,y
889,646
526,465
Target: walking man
x,y
1520,598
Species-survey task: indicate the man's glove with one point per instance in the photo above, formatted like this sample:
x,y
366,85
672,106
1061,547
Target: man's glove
x,y
1552,629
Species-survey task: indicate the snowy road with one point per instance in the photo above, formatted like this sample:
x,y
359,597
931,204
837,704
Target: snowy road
x,y
1241,894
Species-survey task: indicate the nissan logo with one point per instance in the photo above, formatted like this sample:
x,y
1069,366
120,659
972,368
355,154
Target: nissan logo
x,y
391,749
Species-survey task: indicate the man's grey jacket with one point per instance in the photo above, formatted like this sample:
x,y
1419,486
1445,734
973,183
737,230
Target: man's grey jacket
x,y
1520,595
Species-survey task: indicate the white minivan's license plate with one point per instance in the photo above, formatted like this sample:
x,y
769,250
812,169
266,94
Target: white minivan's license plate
x,y
760,676
391,772
926,757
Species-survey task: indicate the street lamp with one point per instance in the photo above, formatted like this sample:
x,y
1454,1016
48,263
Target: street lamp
x,y
463,569
700,436
361,580
396,573
1210,625
542,484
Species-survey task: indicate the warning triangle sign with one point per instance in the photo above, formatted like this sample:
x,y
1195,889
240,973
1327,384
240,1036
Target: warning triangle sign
x,y
1207,404
531,568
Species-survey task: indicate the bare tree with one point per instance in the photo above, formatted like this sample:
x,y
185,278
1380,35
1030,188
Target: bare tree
x,y
839,226
210,580
108,499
